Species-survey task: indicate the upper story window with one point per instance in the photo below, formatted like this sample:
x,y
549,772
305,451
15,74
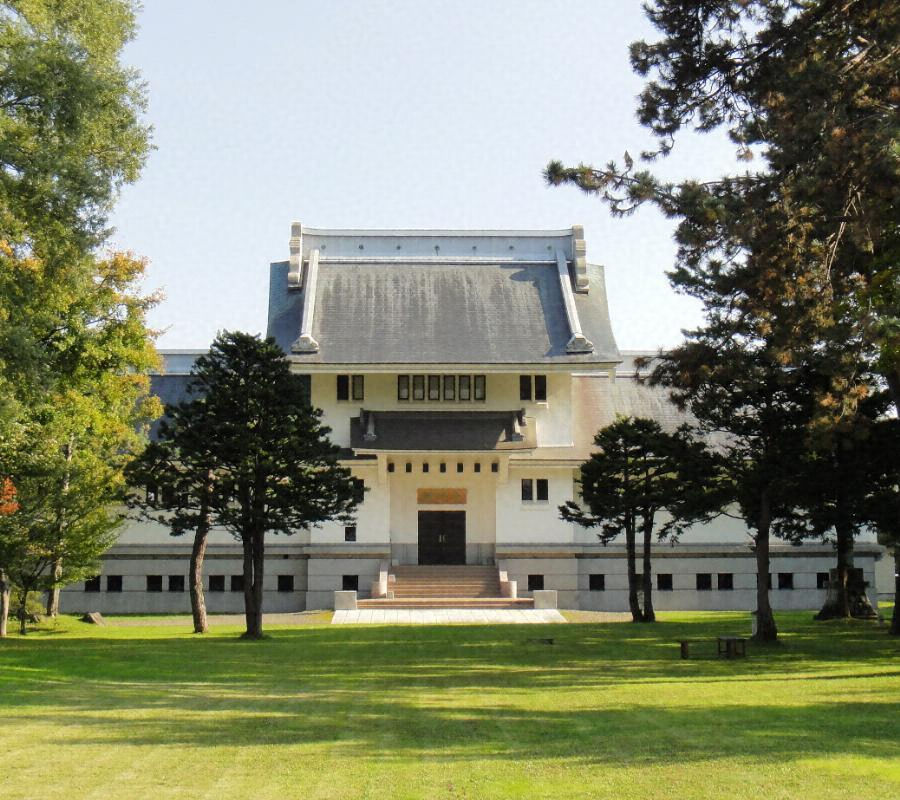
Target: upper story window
x,y
535,490
351,387
441,388
533,387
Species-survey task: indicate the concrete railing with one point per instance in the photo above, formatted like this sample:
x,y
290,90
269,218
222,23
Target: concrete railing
x,y
544,598
380,584
345,601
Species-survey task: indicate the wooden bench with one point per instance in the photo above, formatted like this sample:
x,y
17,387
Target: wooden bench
x,y
732,646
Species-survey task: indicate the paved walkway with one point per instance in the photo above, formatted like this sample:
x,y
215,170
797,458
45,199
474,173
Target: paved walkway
x,y
443,616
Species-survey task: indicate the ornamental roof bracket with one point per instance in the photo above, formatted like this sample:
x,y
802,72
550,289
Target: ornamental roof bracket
x,y
579,259
306,343
578,343
295,270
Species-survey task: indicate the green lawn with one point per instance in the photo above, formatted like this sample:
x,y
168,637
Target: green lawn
x,y
608,711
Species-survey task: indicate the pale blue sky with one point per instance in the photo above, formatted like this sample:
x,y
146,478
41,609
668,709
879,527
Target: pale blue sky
x,y
386,115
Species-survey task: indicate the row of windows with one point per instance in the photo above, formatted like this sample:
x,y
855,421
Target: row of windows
x,y
442,467
704,581
448,388
177,583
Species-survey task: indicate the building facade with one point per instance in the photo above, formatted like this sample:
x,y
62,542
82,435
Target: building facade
x,y
463,374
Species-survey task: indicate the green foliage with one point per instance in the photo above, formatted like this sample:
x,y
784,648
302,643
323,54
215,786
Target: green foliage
x,y
248,445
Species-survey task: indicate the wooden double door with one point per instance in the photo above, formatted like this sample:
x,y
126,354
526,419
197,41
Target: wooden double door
x,y
442,537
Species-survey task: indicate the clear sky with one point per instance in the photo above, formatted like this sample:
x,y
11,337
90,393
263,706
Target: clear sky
x,y
386,115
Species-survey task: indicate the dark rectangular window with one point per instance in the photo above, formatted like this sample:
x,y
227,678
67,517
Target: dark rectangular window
x,y
535,583
495,467
418,387
543,489
343,387
597,582
434,387
176,583
359,490
154,583
390,466
449,387
359,387
476,467
237,583
822,580
465,387
409,466
664,581
525,387
459,466
725,581
285,583
704,581
350,583
424,466
479,391
540,388
403,387
785,580
443,467
113,583
350,533
527,490
92,584
217,583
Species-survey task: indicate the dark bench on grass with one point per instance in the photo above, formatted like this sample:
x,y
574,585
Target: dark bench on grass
x,y
728,646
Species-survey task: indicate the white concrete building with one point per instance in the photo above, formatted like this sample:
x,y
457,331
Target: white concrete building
x,y
464,374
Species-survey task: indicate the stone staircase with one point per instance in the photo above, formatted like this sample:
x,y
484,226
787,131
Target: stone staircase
x,y
455,586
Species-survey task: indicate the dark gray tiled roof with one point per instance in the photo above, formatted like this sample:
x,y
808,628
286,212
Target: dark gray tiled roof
x,y
171,390
423,313
442,430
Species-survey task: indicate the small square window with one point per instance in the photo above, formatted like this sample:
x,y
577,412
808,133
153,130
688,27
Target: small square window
x,y
113,583
285,583
350,583
785,580
92,584
597,582
476,466
424,466
535,583
704,581
418,384
459,466
543,489
343,387
540,388
525,387
409,466
495,467
527,490
237,583
449,387
434,387
359,490
217,583
154,583
822,580
479,391
390,466
350,533
465,387
639,580
664,581
725,581
403,387
443,467
359,387
176,583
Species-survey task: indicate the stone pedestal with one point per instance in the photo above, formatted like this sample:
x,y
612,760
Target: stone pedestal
x,y
345,601
544,598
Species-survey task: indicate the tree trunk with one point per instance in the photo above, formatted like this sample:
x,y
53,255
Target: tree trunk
x,y
198,602
893,381
4,605
637,615
23,613
254,553
53,591
649,615
766,630
837,601
895,618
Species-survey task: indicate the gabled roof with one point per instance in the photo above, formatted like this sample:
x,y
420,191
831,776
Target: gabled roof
x,y
440,297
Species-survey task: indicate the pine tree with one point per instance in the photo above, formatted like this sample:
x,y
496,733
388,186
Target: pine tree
x,y
248,454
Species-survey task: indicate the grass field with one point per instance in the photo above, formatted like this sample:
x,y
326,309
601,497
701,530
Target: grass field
x,y
607,711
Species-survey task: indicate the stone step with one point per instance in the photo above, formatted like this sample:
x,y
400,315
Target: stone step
x,y
447,602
